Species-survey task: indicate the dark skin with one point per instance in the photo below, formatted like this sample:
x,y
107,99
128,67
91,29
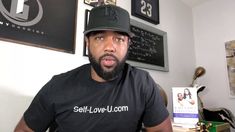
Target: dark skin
x,y
165,126
99,44
22,126
108,42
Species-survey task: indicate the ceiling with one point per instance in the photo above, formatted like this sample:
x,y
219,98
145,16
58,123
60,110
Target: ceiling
x,y
193,3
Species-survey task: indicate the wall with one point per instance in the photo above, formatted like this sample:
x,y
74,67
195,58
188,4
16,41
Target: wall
x,y
213,26
25,69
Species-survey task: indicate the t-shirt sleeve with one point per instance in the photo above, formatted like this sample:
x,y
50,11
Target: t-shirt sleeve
x,y
39,115
155,109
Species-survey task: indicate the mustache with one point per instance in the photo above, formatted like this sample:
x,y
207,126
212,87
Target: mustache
x,y
108,55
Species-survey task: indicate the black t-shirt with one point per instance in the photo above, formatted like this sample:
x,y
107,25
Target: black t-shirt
x,y
79,104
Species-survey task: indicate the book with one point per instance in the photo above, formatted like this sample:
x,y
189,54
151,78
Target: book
x,y
185,105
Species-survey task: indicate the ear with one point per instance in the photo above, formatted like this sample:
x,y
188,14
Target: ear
x,y
87,41
129,42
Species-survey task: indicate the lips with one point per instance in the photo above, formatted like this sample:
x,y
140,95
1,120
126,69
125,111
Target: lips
x,y
108,61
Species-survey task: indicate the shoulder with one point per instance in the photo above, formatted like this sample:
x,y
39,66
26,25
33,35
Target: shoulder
x,y
67,79
139,77
136,72
72,74
142,79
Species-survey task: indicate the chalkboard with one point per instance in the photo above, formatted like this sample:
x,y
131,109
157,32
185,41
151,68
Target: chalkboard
x,y
148,48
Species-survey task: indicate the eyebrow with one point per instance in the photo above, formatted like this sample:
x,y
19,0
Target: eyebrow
x,y
97,32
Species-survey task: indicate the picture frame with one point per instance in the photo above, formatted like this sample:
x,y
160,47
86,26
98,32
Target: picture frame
x,y
230,59
95,3
46,24
147,10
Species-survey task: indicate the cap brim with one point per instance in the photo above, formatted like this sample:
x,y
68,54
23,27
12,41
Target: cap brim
x,y
109,29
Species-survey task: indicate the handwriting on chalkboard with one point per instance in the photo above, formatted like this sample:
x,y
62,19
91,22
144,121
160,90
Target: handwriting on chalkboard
x,y
147,47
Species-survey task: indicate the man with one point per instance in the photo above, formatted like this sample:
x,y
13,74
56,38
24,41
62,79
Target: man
x,y
106,95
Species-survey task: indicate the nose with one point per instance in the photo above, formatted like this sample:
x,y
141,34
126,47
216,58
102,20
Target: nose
x,y
109,45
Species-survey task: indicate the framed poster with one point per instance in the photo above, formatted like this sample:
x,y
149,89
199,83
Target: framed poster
x,y
147,10
99,2
47,24
230,58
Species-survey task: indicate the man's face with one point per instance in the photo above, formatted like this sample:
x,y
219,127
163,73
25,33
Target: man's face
x,y
107,53
180,96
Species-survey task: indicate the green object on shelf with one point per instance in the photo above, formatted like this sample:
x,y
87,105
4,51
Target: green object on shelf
x,y
218,126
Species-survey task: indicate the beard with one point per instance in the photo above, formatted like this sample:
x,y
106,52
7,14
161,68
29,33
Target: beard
x,y
107,74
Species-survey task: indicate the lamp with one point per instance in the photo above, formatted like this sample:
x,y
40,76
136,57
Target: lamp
x,y
199,71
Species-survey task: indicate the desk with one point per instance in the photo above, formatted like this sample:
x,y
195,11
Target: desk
x,y
215,127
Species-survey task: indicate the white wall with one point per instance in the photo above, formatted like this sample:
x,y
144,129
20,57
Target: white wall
x,y
25,69
214,24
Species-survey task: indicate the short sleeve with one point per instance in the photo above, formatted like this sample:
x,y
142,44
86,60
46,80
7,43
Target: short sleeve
x,y
155,109
40,113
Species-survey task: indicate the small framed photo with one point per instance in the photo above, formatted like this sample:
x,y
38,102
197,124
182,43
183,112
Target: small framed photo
x,y
99,2
147,10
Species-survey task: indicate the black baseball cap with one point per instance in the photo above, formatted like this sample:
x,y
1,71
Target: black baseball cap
x,y
109,17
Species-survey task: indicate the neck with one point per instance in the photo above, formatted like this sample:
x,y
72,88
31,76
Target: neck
x,y
96,77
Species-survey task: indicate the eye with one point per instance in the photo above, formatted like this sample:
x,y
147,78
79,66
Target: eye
x,y
99,37
120,39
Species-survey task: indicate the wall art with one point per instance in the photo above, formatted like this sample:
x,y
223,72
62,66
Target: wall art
x,y
47,24
147,10
230,58
99,2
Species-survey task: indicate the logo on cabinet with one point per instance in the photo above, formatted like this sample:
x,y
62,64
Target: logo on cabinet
x,y
22,12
